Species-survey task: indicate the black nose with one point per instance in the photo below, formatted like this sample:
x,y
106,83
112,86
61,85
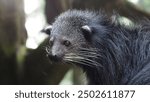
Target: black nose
x,y
53,58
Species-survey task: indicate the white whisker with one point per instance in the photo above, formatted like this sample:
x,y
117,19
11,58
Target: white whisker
x,y
47,49
82,59
79,62
87,55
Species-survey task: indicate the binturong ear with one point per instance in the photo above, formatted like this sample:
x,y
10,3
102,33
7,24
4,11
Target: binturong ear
x,y
47,30
87,32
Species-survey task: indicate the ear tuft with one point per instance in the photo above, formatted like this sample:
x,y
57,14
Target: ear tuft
x,y
87,32
86,29
47,30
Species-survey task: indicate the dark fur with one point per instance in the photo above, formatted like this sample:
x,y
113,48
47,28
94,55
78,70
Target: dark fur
x,y
123,52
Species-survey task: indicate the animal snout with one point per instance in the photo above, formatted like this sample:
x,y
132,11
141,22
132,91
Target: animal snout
x,y
54,58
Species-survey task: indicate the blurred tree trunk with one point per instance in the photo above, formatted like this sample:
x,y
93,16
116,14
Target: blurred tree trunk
x,y
54,7
12,36
123,7
15,68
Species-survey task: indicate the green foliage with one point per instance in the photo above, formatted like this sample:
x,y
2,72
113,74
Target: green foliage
x,y
144,5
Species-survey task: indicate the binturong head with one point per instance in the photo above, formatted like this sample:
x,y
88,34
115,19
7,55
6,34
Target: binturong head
x,y
71,35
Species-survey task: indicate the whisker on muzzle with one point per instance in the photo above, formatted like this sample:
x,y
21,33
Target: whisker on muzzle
x,y
82,60
47,48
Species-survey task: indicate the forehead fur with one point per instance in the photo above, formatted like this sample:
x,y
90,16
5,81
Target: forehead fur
x,y
72,21
81,16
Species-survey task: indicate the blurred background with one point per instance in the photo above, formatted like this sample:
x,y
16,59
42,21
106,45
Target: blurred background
x,y
22,47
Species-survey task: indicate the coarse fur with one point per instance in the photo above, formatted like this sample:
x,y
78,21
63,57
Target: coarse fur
x,y
110,53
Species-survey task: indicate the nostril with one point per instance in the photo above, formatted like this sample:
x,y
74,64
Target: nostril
x,y
54,55
54,58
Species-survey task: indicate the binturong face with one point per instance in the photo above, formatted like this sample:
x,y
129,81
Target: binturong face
x,y
70,41
66,42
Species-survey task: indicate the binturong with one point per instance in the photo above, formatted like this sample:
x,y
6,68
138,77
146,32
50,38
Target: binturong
x,y
110,53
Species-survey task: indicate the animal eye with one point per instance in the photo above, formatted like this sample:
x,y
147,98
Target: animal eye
x,y
66,43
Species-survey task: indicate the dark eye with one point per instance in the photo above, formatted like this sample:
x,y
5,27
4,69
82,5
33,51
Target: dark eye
x,y
66,43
